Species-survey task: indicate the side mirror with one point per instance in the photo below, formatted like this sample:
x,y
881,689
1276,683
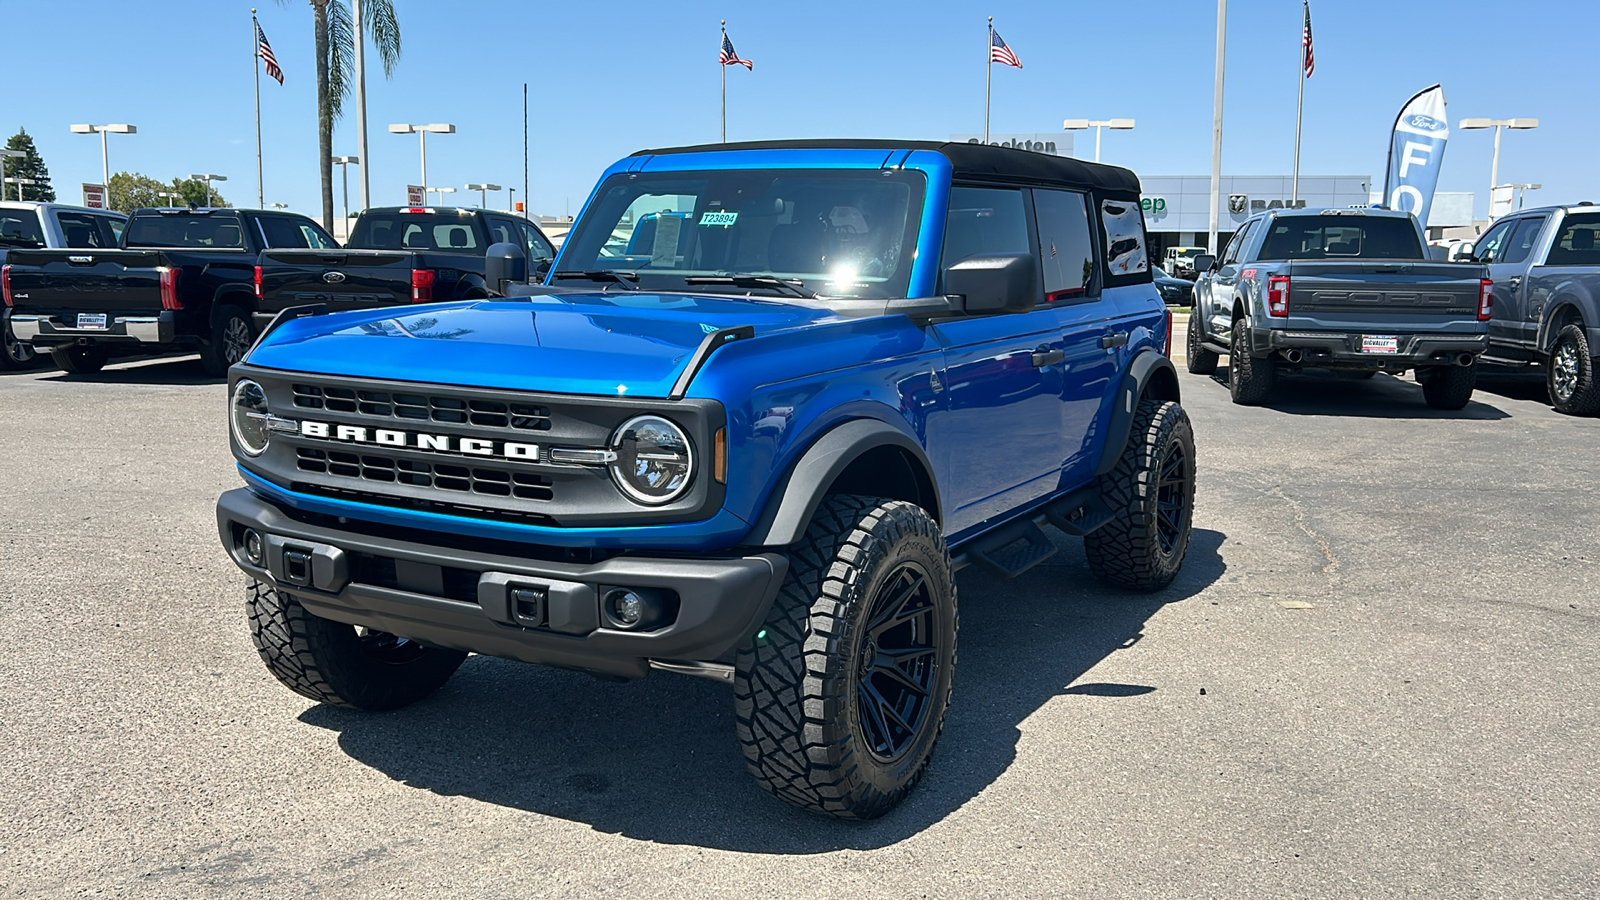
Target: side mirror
x,y
994,284
504,264
1203,263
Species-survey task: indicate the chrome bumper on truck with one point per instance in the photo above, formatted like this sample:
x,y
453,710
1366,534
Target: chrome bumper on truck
x,y
1314,348
555,613
47,332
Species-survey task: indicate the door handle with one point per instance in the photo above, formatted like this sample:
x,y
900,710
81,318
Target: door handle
x,y
1116,339
1048,358
1514,281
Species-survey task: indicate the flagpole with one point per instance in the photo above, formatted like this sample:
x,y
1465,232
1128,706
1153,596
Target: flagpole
x,y
255,69
1299,108
988,76
724,67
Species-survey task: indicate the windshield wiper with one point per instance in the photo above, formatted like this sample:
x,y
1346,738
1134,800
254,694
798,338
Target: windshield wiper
x,y
629,280
791,288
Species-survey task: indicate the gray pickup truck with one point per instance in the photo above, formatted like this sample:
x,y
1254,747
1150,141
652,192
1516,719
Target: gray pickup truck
x,y
1346,290
1545,264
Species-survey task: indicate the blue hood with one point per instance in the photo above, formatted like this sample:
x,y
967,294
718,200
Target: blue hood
x,y
601,343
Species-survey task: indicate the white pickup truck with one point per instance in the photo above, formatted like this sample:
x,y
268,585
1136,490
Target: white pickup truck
x,y
33,224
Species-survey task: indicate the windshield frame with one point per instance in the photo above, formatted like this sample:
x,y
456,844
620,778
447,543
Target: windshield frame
x,y
597,224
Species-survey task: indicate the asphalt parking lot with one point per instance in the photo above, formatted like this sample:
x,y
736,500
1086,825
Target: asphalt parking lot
x,y
1427,727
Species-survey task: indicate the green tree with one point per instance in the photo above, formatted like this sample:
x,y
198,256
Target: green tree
x,y
194,193
333,41
129,191
29,166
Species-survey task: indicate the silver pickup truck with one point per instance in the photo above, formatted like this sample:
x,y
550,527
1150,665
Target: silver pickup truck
x,y
1546,269
1346,290
31,224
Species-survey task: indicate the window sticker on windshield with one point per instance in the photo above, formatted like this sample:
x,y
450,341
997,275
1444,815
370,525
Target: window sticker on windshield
x,y
724,218
664,249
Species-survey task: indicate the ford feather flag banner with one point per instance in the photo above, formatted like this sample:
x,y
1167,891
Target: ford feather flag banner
x,y
1416,150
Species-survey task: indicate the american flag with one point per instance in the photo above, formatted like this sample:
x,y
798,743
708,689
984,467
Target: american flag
x,y
730,57
264,50
999,52
1310,59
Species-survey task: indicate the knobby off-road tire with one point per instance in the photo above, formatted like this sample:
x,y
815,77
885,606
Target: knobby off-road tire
x,y
332,663
1249,380
15,354
841,698
1151,493
1200,360
1569,376
79,360
1448,387
230,341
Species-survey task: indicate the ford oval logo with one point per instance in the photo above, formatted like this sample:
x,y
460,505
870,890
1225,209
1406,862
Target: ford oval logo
x,y
333,277
1426,123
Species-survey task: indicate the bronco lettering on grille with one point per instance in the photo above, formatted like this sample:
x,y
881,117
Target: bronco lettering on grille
x,y
435,443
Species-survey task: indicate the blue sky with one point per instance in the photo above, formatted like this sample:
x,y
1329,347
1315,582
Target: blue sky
x,y
609,78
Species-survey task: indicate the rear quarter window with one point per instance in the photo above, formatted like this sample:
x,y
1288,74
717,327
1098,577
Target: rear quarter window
x,y
1122,236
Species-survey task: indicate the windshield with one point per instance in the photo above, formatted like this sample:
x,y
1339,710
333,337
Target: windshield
x,y
1342,237
836,232
185,230
415,231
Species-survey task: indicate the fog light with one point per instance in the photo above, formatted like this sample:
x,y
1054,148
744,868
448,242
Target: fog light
x,y
253,548
626,608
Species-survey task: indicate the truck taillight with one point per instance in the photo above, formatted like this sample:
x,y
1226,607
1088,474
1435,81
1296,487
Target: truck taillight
x,y
1485,298
258,282
421,285
5,284
169,288
1278,295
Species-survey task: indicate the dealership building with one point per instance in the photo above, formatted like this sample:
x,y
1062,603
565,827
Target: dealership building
x,y
1177,208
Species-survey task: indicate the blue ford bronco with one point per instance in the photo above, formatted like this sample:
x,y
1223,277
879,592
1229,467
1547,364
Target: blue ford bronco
x,y
754,444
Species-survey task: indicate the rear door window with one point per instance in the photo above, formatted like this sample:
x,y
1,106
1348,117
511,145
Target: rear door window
x,y
112,227
1578,244
1522,239
81,230
1065,247
283,234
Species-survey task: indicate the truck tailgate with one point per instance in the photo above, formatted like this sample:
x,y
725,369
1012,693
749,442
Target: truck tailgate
x,y
344,279
1375,290
109,281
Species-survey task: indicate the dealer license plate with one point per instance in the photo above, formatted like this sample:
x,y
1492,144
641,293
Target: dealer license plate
x,y
1379,343
91,320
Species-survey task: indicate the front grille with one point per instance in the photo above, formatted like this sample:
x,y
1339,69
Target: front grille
x,y
444,476
434,506
423,408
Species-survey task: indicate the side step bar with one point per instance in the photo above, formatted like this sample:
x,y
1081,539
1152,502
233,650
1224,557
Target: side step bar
x,y
1078,513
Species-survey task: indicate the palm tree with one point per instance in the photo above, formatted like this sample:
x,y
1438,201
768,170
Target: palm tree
x,y
335,45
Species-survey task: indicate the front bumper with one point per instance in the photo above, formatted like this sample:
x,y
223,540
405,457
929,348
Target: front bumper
x,y
1343,349
45,331
465,599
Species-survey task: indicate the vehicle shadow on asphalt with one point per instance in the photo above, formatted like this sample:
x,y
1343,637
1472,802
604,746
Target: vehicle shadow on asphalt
x,y
1380,397
157,371
657,760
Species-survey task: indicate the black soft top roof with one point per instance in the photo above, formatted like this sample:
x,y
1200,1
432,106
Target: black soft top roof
x,y
972,162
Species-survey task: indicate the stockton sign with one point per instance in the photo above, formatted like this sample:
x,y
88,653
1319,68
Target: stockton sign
x,y
1051,144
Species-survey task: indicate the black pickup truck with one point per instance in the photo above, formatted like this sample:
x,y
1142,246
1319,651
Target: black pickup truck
x,y
181,279
399,255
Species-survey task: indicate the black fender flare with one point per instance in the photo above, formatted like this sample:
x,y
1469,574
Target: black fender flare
x,y
801,490
1554,313
1147,367
240,295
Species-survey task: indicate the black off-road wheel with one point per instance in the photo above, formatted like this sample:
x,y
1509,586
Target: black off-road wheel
x,y
1569,375
1151,493
1200,360
15,354
841,696
1250,380
231,337
1448,387
338,664
79,360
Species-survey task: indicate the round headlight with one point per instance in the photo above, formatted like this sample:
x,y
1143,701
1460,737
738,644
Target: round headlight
x,y
249,417
654,460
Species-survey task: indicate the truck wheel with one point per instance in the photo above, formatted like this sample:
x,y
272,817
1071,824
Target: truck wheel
x,y
1151,494
1200,360
231,338
1570,374
79,360
1249,380
1448,387
841,696
331,662
16,355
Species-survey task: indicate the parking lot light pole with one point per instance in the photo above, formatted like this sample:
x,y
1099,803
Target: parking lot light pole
x,y
1114,124
19,182
103,130
441,191
1216,129
511,204
173,196
1498,125
208,179
343,162
10,154
421,131
483,192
